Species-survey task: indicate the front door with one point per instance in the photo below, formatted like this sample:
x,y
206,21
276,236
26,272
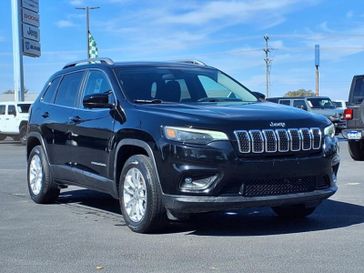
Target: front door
x,y
92,133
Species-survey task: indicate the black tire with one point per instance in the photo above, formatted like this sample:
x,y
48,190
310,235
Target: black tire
x,y
295,211
23,134
49,191
15,138
154,214
356,150
2,137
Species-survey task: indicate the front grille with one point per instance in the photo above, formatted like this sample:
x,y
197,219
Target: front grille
x,y
280,140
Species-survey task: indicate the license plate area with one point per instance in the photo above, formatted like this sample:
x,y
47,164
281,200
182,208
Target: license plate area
x,y
354,135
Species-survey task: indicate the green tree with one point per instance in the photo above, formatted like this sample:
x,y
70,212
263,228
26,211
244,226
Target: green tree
x,y
300,93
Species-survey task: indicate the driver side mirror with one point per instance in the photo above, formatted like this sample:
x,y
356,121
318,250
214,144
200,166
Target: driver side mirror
x,y
98,100
259,96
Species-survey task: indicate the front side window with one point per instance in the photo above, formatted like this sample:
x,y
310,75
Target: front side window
x,y
68,89
97,83
23,108
187,85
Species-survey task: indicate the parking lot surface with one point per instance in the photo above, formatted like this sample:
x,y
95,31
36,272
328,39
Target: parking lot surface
x,y
84,232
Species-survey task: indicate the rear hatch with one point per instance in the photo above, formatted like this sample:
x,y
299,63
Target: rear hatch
x,y
356,102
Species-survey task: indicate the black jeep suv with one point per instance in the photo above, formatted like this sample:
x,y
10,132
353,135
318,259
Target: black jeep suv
x,y
169,139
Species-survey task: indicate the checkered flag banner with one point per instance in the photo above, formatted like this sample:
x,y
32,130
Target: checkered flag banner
x,y
93,51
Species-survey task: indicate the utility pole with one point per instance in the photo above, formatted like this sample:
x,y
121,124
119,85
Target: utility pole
x,y
317,73
87,9
268,62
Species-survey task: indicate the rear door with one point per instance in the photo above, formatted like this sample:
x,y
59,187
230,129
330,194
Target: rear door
x,y
92,134
57,118
11,120
356,102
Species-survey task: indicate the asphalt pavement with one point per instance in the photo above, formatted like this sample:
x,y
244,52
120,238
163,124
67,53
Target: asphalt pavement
x,y
84,232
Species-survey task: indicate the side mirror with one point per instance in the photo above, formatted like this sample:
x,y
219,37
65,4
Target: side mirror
x,y
259,95
99,100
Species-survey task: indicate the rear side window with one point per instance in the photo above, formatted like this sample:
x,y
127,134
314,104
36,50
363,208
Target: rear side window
x,y
2,109
300,104
358,91
68,89
285,102
51,90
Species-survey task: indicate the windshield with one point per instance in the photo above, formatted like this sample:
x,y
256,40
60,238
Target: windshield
x,y
323,103
338,104
23,108
186,85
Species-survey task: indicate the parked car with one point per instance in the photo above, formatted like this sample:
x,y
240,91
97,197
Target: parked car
x,y
354,115
14,120
170,139
320,105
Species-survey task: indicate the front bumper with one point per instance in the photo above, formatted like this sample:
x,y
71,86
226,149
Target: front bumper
x,y
197,204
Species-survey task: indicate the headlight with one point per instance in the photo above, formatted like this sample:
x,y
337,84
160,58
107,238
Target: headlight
x,y
193,136
330,130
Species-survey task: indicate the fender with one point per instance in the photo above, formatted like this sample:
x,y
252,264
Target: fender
x,y
40,139
141,144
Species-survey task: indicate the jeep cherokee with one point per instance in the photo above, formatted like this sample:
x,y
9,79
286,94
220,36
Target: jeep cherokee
x,y
170,139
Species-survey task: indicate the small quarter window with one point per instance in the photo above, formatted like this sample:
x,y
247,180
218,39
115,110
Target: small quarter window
x,y
48,95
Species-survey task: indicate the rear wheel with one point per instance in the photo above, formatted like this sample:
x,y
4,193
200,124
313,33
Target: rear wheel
x,y
295,211
356,150
41,187
23,135
140,195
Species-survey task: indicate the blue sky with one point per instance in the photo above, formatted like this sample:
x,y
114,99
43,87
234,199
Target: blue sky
x,y
225,34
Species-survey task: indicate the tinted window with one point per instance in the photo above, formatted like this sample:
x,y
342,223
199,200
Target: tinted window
x,y
97,83
23,108
300,104
325,103
51,90
181,84
68,89
285,102
2,109
358,92
11,110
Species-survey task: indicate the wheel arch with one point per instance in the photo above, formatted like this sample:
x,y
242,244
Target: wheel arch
x,y
128,147
23,123
33,140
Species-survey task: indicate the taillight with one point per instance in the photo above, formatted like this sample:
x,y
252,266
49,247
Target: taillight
x,y
348,114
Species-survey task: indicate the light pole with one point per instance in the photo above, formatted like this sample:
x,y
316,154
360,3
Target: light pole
x,y
87,9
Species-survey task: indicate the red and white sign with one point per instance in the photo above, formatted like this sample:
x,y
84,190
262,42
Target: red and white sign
x,y
30,17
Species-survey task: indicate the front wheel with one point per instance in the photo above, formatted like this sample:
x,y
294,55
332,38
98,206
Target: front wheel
x,y
2,137
140,195
41,187
356,150
295,211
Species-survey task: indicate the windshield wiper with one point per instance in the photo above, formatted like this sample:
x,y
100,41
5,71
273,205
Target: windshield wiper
x,y
206,99
153,101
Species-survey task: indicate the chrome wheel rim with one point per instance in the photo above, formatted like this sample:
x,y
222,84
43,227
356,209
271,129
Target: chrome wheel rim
x,y
35,174
135,195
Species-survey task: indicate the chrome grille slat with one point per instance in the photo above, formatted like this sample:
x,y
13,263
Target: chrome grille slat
x,y
279,140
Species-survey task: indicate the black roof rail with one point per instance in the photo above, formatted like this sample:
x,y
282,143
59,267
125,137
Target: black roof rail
x,y
197,62
89,61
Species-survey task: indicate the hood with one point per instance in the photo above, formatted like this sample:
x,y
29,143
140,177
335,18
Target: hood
x,y
235,115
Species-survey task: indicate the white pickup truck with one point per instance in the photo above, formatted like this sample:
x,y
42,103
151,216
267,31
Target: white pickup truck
x,y
14,120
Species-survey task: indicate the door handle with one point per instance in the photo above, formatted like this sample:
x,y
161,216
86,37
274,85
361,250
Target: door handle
x,y
45,115
75,119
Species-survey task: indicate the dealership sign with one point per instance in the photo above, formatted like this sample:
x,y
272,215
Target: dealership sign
x,y
30,28
32,5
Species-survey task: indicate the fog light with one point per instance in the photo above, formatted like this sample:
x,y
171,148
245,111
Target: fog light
x,y
190,184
